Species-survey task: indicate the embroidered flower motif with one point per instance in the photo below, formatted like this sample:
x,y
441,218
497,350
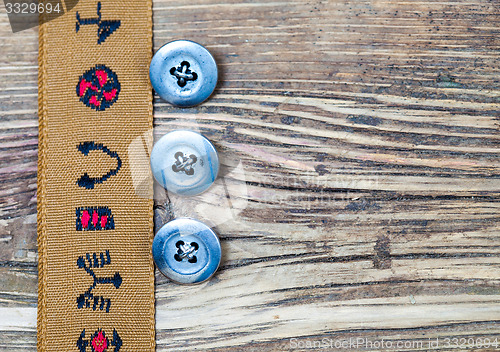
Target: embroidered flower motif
x,y
98,88
99,342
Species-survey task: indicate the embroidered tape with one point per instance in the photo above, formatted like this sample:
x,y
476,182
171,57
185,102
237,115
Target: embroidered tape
x,y
96,280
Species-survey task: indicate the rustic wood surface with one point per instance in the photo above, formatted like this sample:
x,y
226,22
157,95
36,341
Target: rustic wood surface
x,y
359,195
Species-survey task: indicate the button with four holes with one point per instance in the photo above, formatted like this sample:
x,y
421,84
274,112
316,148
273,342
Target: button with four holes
x,y
183,73
184,162
186,251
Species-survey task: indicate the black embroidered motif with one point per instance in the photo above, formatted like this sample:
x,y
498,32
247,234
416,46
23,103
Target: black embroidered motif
x,y
89,182
94,219
98,88
104,27
87,299
81,343
99,342
183,74
184,164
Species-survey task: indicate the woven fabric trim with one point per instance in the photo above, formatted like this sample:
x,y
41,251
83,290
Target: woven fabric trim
x,y
91,223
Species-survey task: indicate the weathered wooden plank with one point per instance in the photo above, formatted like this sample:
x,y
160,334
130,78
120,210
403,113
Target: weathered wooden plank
x,y
366,137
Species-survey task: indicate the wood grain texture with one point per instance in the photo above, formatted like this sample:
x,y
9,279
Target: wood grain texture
x,y
359,191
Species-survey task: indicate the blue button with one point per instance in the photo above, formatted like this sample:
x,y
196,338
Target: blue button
x,y
184,162
183,73
187,251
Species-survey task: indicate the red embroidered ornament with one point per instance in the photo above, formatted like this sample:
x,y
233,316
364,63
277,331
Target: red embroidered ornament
x,y
98,88
99,342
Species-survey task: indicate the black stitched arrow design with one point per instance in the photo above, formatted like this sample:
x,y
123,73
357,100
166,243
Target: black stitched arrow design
x,y
89,182
87,299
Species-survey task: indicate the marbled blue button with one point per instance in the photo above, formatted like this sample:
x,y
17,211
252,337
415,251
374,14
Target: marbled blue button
x,y
183,73
184,162
187,251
